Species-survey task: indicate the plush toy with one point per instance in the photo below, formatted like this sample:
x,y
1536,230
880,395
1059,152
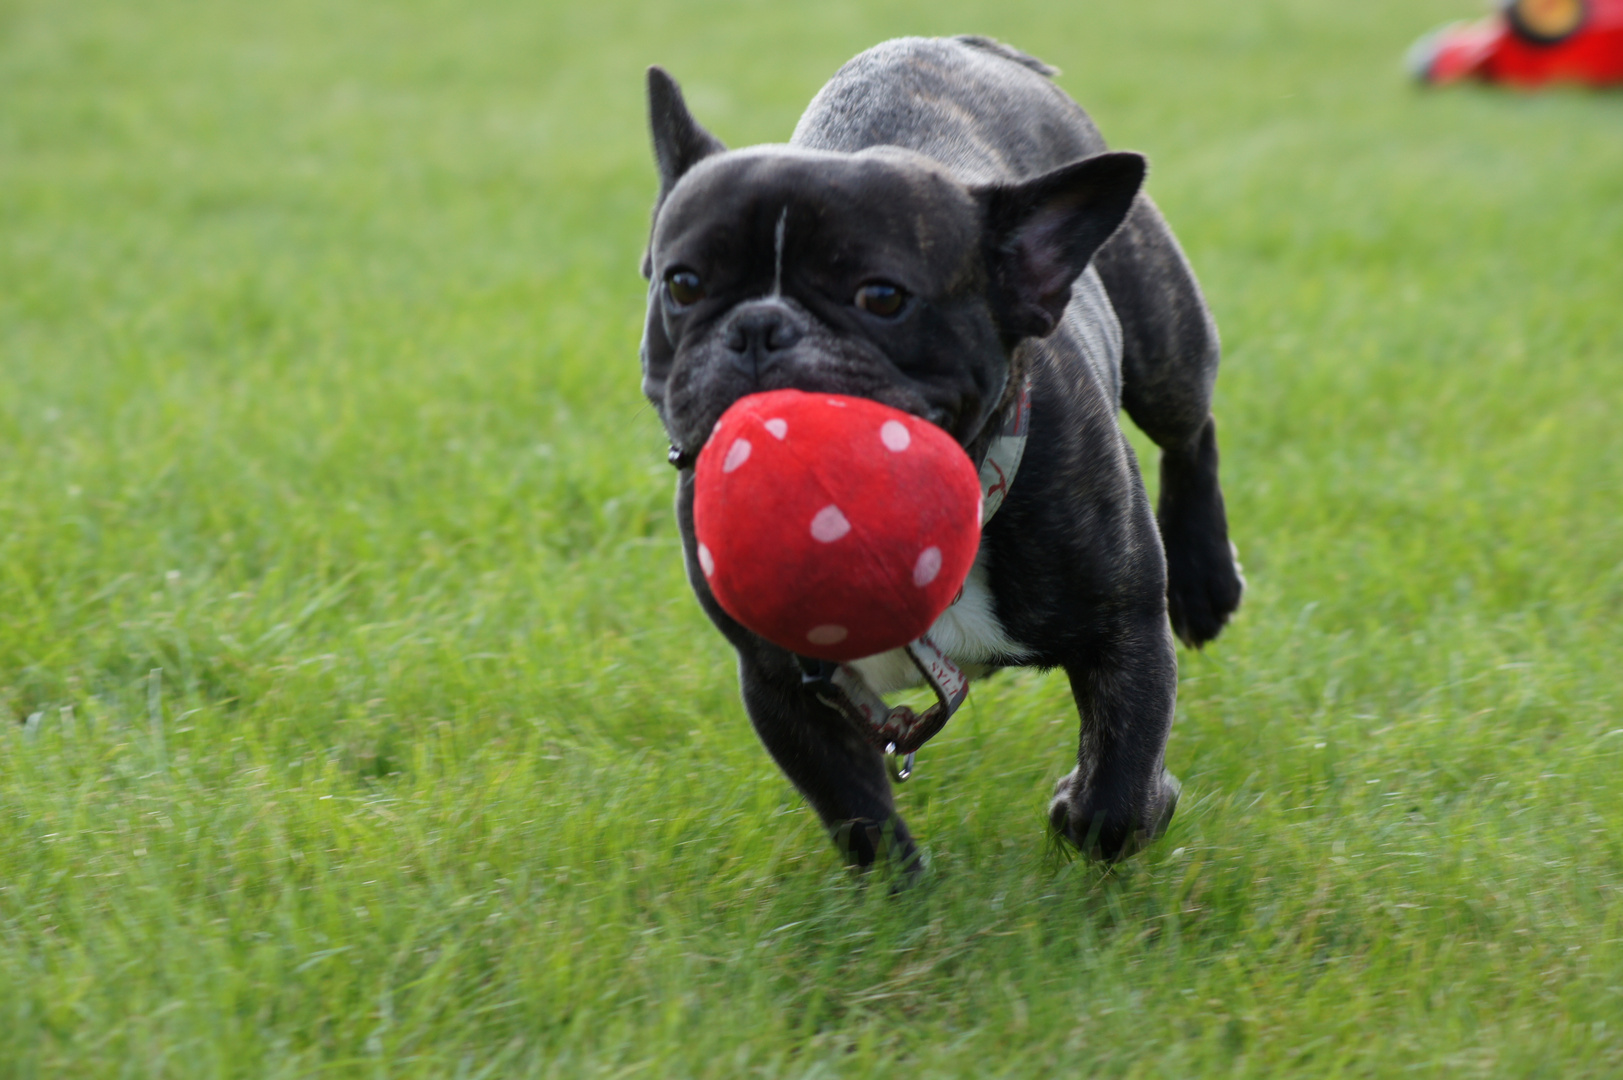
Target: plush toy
x,y
833,526
1527,43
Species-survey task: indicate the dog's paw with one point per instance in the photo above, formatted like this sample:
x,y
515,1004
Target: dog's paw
x,y
865,842
1204,589
1102,836
1204,583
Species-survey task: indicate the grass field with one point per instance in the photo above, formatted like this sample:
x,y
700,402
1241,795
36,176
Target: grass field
x,y
357,719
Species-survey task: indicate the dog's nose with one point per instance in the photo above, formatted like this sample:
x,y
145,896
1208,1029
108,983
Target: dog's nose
x,y
761,331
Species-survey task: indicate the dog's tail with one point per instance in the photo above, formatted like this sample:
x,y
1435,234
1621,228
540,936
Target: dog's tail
x,y
1008,52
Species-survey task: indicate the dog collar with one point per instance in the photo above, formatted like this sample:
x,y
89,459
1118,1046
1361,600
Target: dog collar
x,y
1003,454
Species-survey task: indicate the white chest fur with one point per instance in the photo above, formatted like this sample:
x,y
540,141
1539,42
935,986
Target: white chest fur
x,y
968,632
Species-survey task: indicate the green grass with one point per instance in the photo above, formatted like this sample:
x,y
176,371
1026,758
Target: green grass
x,y
357,718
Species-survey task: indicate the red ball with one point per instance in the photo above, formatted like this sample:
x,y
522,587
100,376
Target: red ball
x,y
834,526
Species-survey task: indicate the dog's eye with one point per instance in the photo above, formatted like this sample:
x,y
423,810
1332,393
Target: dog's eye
x,y
880,298
684,286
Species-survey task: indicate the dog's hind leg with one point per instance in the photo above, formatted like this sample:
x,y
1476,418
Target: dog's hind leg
x,y
1169,365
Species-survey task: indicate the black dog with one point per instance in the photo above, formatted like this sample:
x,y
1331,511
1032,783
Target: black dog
x,y
944,230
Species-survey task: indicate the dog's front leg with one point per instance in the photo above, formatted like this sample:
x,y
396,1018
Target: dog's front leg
x,y
833,763
1120,796
828,758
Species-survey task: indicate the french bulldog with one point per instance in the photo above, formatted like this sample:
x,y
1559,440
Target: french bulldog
x,y
946,233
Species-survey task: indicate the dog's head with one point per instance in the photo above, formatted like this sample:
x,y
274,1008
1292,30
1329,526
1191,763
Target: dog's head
x,y
876,274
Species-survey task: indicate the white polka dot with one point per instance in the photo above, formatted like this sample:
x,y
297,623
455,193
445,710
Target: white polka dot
x,y
737,454
829,524
895,436
827,634
778,426
980,508
707,562
924,571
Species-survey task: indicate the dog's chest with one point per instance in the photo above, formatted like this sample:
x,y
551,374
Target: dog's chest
x,y
969,632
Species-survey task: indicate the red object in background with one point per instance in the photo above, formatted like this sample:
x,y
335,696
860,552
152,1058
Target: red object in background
x,y
833,526
1528,43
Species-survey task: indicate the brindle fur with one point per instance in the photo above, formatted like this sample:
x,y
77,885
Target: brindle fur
x,y
957,168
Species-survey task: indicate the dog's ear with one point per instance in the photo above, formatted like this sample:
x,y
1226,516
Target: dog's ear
x,y
1040,234
679,141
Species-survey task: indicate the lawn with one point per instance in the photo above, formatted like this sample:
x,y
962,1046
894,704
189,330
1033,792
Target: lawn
x,y
356,720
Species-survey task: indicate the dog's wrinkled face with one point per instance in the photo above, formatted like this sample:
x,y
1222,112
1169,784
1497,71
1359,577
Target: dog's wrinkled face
x,y
855,274
876,273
